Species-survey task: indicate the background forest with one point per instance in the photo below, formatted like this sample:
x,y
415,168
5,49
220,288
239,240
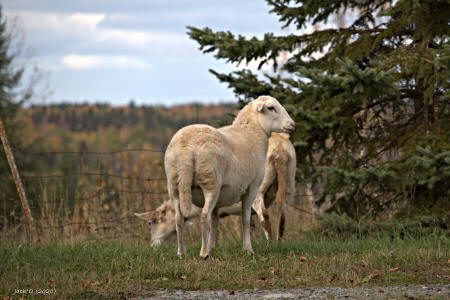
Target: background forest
x,y
368,86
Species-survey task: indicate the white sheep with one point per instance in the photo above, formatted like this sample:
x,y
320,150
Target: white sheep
x,y
162,219
226,165
280,167
278,183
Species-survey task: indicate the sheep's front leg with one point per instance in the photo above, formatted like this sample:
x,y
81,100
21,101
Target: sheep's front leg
x,y
206,220
246,216
259,205
263,215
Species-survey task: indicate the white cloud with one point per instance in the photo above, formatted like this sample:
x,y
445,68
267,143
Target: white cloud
x,y
82,41
86,19
87,28
78,40
85,62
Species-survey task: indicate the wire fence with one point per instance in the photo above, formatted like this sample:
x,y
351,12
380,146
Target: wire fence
x,y
94,201
89,198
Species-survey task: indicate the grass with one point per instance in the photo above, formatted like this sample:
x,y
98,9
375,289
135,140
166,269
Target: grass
x,y
113,269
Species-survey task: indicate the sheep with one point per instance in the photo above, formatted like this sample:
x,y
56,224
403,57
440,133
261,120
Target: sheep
x,y
280,168
226,165
279,175
162,220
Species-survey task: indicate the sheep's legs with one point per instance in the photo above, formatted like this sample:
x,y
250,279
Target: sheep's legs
x,y
258,204
263,216
206,220
179,223
246,216
213,232
281,223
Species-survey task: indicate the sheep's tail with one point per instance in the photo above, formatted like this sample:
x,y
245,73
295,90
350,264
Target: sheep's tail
x,y
185,177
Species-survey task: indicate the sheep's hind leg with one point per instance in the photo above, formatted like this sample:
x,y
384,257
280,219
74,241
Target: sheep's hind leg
x,y
179,226
213,232
281,223
206,220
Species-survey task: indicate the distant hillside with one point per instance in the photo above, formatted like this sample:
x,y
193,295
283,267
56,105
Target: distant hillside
x,y
101,127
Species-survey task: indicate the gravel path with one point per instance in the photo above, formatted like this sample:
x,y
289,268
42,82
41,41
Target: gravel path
x,y
392,292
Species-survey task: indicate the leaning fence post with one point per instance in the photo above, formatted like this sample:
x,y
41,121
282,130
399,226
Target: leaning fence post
x,y
19,185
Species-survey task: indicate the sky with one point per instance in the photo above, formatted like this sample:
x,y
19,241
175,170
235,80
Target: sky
x,y
117,50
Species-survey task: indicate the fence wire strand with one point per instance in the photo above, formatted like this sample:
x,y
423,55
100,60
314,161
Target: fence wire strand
x,y
85,174
80,153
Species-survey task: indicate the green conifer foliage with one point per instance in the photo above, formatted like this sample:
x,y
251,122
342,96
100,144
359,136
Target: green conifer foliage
x,y
11,100
371,98
10,75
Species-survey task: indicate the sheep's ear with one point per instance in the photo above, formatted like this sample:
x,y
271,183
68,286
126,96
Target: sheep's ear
x,y
260,106
144,216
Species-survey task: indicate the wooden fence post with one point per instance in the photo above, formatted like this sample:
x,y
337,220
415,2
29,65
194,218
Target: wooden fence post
x,y
19,185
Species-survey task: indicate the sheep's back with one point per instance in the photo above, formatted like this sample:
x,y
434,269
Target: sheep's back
x,y
204,147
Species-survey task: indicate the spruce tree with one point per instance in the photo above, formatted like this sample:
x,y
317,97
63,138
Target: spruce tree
x,y
11,99
371,98
10,75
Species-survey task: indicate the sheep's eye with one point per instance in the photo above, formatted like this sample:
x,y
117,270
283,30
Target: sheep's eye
x,y
271,108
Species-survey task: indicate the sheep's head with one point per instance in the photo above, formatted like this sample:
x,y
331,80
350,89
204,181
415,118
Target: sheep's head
x,y
161,222
272,116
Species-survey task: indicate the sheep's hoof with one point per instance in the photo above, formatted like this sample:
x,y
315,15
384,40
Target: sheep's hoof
x,y
249,252
204,257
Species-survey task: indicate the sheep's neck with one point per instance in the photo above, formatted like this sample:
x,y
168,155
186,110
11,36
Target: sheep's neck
x,y
257,135
246,119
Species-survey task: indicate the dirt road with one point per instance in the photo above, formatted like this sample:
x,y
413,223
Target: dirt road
x,y
392,292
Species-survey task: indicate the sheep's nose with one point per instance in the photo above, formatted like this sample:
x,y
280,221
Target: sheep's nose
x,y
292,124
290,127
